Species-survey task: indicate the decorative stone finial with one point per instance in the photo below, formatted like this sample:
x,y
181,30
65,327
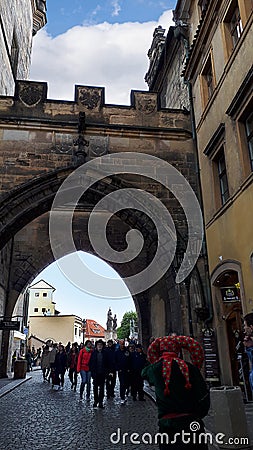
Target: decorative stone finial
x,y
154,53
39,9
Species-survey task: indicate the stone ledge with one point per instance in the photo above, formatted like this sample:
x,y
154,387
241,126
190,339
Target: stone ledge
x,y
11,384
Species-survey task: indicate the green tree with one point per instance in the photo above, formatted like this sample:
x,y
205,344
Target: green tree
x,y
124,330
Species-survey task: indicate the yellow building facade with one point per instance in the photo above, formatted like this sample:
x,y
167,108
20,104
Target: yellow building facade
x,y
219,69
51,329
204,65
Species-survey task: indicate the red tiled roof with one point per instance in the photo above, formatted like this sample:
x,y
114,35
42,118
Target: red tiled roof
x,y
94,330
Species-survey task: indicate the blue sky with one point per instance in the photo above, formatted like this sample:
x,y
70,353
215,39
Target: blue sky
x,y
64,14
99,44
107,49
71,300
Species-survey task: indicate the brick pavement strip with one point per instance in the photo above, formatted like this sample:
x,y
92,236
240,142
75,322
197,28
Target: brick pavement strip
x,y
35,417
8,385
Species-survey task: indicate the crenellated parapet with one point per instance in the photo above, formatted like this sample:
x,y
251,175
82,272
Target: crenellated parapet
x,y
144,115
39,9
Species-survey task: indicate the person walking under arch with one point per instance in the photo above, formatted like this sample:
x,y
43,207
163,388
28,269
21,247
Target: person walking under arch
x,y
111,375
84,369
182,396
45,364
122,359
137,363
99,370
51,364
72,365
29,359
60,365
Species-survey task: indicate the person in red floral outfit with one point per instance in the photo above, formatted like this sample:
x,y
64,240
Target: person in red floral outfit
x,y
181,393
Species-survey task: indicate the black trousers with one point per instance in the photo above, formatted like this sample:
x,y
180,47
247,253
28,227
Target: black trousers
x,y
110,384
137,384
99,388
123,383
46,372
59,377
73,376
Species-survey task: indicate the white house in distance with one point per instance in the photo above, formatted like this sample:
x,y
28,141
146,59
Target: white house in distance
x,y
41,299
46,325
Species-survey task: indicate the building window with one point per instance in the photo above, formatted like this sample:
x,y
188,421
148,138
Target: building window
x,y
208,81
249,137
240,112
234,22
36,310
43,310
44,294
37,294
235,26
245,135
75,331
220,164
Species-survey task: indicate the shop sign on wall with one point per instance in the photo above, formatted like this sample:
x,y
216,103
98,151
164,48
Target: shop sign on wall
x,y
211,355
230,294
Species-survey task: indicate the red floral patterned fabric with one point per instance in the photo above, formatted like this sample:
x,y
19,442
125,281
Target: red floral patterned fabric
x,y
168,348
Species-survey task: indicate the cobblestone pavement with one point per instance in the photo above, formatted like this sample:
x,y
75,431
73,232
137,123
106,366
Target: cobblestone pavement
x,y
35,417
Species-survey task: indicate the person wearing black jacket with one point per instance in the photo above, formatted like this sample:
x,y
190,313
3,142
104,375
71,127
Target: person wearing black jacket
x,y
72,356
122,359
137,363
111,366
99,370
60,365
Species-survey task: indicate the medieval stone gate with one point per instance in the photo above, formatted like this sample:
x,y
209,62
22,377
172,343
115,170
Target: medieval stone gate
x,y
42,141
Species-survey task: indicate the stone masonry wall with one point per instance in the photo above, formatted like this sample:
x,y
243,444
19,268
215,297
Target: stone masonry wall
x,y
16,17
175,92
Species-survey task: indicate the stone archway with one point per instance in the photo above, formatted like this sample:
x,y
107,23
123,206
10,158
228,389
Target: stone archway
x,y
29,250
43,141
227,286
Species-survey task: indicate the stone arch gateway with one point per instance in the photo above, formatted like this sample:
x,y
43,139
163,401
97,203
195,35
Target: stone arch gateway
x,y
42,142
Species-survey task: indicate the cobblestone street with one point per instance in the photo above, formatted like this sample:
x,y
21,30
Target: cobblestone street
x,y
33,416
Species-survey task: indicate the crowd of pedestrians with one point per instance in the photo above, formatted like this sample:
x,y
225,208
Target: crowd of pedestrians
x,y
182,395
32,356
99,363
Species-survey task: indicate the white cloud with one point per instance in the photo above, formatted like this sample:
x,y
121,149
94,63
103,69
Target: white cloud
x,y
109,55
95,11
116,8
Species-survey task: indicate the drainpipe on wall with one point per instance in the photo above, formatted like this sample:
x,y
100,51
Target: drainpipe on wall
x,y
180,32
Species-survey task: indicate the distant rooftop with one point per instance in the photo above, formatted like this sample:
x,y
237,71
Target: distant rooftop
x,y
41,285
93,329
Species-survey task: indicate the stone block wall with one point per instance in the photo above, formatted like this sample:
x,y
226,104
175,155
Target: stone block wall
x,y
16,19
175,91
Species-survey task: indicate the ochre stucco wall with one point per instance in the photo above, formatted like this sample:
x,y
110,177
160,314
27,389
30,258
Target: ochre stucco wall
x,y
231,237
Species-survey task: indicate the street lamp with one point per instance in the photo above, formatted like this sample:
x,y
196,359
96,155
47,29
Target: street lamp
x,y
84,328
